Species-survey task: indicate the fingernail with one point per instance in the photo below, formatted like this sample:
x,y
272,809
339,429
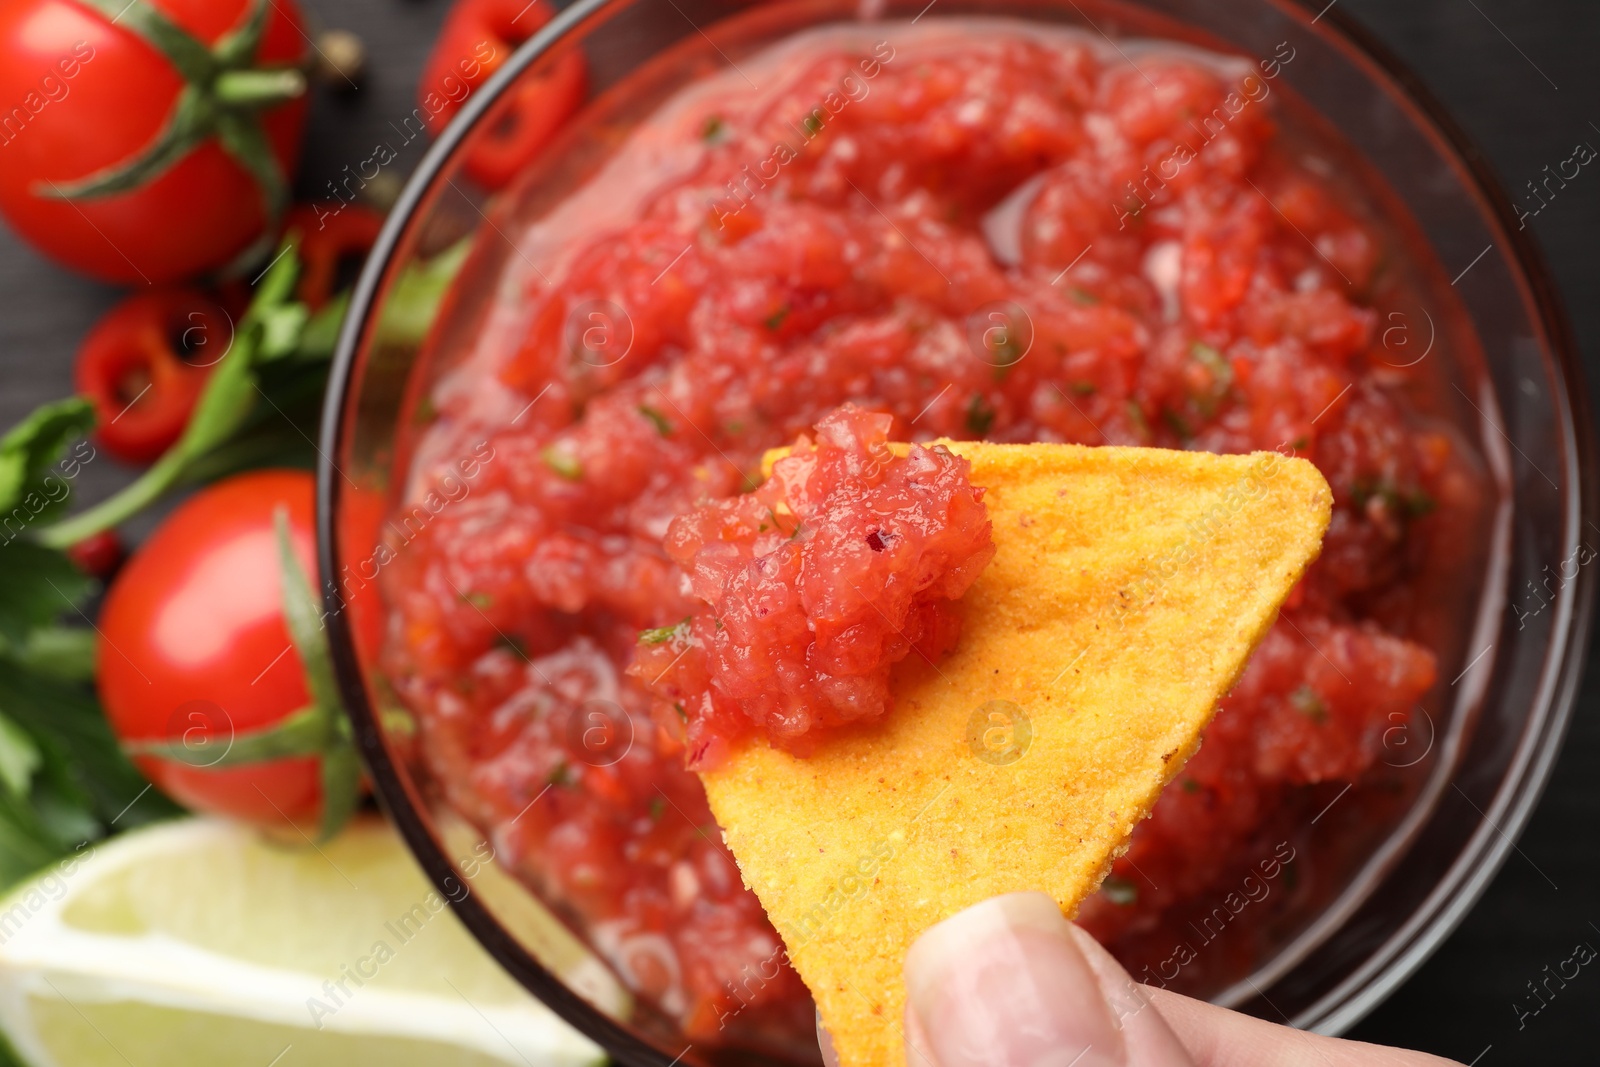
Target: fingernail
x,y
1003,984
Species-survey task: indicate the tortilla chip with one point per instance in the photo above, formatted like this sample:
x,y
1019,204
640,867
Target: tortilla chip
x,y
1128,589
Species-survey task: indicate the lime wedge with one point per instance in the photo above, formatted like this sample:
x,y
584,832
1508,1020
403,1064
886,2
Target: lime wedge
x,y
201,942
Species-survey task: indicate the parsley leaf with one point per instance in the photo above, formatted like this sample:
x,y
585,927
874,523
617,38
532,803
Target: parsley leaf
x,y
980,414
37,584
1307,702
563,463
1119,890
658,420
32,447
662,634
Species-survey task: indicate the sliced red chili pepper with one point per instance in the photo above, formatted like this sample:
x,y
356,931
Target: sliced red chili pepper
x,y
525,121
98,554
332,236
234,295
144,364
477,37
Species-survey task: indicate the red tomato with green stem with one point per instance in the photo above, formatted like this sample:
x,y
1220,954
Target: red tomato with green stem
x,y
148,142
195,653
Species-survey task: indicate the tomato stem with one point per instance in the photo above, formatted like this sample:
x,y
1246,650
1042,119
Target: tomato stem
x,y
341,771
306,732
257,88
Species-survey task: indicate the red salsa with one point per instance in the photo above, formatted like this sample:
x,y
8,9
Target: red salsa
x,y
965,229
832,571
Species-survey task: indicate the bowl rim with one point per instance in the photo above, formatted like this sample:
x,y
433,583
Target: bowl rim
x,y
1479,859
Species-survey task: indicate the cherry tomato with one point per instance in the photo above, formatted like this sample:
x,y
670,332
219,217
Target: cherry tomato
x,y
98,555
194,648
85,97
477,38
331,236
144,365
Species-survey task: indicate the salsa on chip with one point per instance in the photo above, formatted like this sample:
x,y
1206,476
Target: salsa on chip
x,y
1030,729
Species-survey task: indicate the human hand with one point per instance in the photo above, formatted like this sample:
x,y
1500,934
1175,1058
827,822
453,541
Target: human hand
x,y
1011,983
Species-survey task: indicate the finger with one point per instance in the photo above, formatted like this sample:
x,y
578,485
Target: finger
x,y
1217,1037
1005,984
1150,1041
830,1058
917,1054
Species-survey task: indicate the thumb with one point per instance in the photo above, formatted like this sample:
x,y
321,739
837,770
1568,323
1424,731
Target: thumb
x,y
1005,983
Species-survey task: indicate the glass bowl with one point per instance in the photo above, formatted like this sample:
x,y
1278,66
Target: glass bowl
x,y
1475,759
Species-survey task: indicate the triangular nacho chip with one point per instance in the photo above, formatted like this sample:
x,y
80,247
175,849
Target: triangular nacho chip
x,y
1128,590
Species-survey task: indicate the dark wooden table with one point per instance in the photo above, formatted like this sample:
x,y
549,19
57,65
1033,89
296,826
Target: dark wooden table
x,y
1523,78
